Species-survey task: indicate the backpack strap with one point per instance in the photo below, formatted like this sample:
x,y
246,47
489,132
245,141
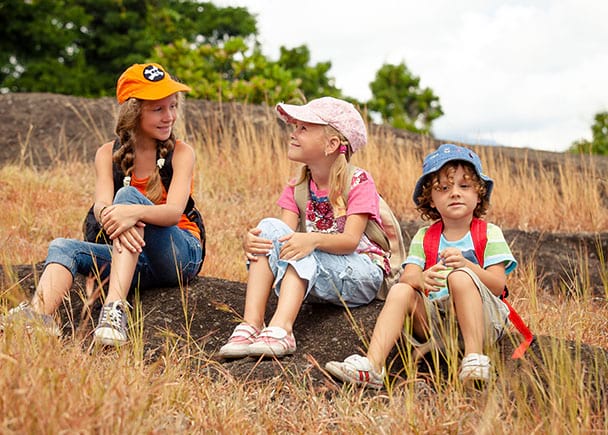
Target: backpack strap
x,y
117,173
430,243
301,195
432,237
479,234
166,173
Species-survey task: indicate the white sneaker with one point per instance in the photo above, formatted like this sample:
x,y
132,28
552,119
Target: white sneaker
x,y
475,367
357,369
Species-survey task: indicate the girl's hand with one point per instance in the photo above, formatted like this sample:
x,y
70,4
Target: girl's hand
x,y
452,258
434,278
253,245
296,246
118,218
132,239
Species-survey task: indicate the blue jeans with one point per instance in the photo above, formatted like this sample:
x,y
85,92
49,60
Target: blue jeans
x,y
171,255
338,279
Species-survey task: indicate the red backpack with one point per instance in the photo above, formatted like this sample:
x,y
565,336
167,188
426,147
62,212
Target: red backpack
x,y
480,239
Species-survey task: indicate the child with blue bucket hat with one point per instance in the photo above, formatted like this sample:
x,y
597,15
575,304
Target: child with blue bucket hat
x,y
444,283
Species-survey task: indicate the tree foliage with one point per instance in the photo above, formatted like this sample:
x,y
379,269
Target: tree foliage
x,y
398,98
81,46
599,141
235,71
314,80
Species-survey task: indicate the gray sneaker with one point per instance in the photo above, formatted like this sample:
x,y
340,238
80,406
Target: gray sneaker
x,y
25,314
112,327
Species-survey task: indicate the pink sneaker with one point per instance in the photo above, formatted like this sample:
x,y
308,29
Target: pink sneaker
x,y
239,342
273,341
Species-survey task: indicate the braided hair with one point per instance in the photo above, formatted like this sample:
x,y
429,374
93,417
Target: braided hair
x,y
129,116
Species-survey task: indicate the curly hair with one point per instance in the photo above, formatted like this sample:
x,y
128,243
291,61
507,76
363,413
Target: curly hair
x,y
127,124
431,181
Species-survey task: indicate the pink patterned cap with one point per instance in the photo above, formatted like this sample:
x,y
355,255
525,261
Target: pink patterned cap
x,y
339,114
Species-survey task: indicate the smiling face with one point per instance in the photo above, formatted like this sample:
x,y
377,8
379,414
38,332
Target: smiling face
x,y
455,194
158,117
308,143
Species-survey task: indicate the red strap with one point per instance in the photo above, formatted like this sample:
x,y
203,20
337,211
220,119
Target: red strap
x,y
430,244
523,329
432,237
479,234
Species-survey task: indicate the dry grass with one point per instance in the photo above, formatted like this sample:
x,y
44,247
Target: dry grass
x,y
50,387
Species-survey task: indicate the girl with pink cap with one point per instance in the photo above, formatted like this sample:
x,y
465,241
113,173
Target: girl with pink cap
x,y
317,250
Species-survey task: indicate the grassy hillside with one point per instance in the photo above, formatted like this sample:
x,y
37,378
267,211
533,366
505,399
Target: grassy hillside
x,y
50,387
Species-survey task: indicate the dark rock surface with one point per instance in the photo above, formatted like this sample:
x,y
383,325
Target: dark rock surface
x,y
323,333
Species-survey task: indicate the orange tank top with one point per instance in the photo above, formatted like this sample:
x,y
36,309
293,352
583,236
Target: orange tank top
x,y
184,223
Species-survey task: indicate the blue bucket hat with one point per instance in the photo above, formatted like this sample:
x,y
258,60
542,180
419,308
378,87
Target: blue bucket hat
x,y
446,153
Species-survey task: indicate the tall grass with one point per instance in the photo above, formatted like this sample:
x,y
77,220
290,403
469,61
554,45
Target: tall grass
x,y
52,387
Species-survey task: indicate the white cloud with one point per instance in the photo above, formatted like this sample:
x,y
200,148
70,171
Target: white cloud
x,y
516,72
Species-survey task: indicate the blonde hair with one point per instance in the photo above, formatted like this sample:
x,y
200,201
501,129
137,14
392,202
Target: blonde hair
x,y
338,172
129,116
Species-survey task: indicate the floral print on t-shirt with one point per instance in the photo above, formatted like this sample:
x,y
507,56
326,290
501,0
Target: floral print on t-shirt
x,y
320,214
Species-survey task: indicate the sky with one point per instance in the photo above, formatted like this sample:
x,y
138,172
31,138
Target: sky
x,y
520,73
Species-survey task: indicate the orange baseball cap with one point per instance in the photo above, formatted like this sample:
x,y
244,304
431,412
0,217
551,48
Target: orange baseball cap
x,y
147,82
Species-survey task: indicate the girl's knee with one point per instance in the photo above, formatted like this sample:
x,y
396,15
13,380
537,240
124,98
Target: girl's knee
x,y
273,228
129,195
60,245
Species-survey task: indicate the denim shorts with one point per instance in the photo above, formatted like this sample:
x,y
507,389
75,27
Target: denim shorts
x,y
350,280
171,255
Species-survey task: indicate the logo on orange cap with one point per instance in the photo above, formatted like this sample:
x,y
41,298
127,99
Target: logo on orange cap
x,y
153,73
147,82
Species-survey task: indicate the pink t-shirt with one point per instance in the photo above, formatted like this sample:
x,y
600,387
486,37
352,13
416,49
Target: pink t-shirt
x,y
321,217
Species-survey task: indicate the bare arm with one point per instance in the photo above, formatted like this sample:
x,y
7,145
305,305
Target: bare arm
x,y
104,180
413,275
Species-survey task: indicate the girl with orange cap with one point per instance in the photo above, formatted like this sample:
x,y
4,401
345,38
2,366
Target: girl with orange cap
x,y
153,241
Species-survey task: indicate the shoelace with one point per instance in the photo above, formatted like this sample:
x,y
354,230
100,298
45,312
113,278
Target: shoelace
x,y
113,316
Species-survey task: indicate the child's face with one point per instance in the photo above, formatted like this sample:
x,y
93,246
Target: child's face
x,y
307,143
158,117
455,195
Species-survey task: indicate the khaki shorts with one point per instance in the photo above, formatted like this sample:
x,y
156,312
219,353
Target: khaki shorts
x,y
495,315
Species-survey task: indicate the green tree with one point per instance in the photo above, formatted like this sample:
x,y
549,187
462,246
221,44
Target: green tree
x,y
399,100
81,46
232,71
599,142
314,81
237,70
